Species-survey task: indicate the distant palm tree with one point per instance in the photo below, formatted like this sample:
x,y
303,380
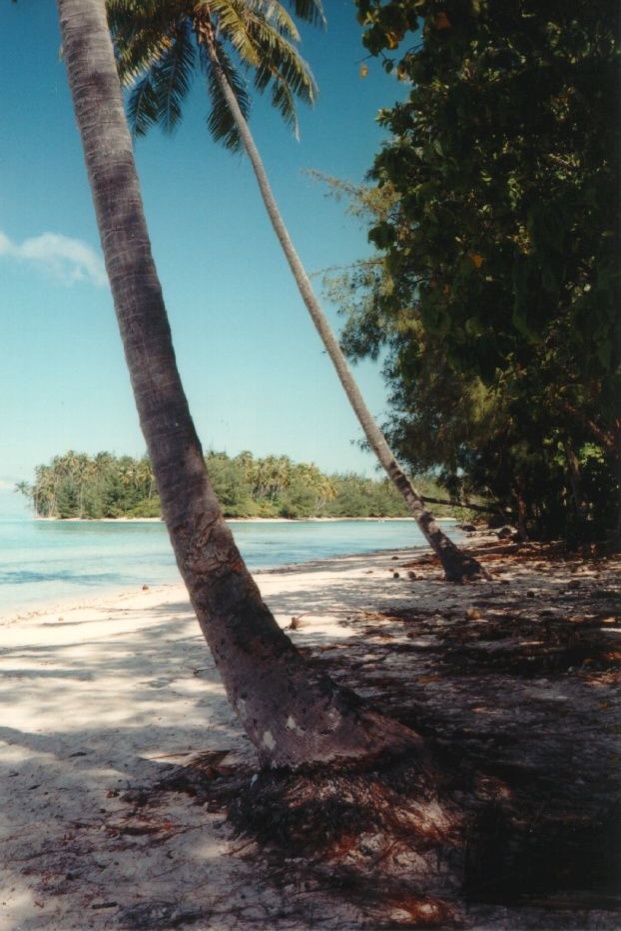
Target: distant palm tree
x,y
28,490
291,711
158,44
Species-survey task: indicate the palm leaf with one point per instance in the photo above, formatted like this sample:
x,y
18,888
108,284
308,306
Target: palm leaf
x,y
283,101
283,66
172,77
141,33
274,14
228,17
220,121
142,106
311,11
127,18
266,28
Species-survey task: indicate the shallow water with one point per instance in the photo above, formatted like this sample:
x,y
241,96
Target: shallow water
x,y
50,561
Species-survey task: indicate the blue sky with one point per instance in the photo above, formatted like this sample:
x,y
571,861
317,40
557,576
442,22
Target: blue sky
x,y
251,362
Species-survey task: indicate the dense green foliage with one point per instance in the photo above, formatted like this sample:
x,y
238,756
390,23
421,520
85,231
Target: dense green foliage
x,y
496,219
82,486
90,487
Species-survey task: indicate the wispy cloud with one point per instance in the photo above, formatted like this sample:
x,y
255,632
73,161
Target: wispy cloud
x,y
68,260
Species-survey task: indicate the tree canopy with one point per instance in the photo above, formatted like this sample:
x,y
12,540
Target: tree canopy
x,y
497,226
76,485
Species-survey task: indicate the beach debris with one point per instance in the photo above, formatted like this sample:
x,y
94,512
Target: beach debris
x,y
473,614
506,533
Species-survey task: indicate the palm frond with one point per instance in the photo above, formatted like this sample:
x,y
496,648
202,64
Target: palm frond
x,y
140,56
282,64
283,101
275,15
172,77
142,106
220,121
141,31
279,62
310,11
229,16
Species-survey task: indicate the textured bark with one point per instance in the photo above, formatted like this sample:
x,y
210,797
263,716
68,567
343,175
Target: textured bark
x,y
291,714
458,566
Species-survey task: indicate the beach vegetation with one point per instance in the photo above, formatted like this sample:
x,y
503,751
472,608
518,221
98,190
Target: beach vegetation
x,y
493,293
78,486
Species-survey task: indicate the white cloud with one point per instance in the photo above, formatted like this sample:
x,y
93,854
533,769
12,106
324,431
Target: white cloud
x,y
68,260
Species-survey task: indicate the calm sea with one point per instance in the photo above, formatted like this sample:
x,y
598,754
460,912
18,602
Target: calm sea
x,y
46,562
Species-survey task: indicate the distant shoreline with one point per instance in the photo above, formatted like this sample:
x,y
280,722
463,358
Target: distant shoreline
x,y
230,520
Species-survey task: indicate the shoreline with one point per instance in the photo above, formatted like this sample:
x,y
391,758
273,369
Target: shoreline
x,y
103,598
52,563
233,520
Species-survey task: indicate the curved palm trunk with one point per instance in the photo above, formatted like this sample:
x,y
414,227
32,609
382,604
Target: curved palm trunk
x,y
457,565
292,714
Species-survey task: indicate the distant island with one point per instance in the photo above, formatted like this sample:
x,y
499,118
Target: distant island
x,y
79,486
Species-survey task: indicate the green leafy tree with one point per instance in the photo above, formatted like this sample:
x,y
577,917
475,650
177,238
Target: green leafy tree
x,y
161,41
275,486
500,281
228,479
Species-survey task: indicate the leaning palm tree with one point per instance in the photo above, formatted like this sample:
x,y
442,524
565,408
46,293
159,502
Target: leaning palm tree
x,y
158,44
292,712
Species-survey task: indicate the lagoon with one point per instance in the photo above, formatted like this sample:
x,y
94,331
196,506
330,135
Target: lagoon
x,y
43,563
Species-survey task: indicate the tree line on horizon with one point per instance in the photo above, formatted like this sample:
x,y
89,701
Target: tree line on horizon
x,y
77,485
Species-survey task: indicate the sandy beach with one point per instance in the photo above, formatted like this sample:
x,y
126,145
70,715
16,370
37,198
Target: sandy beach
x,y
110,695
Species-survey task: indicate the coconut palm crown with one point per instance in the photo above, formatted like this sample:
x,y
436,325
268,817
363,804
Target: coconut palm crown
x,y
161,44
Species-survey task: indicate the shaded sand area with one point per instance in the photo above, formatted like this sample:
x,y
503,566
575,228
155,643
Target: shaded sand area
x,y
114,725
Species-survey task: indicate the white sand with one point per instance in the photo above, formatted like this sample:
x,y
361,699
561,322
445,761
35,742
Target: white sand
x,y
100,698
95,699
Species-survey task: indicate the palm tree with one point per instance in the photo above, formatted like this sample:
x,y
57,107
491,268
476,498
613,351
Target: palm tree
x,y
292,713
46,485
29,491
160,41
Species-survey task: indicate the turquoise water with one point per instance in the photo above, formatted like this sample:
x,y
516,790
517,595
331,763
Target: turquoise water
x,y
44,562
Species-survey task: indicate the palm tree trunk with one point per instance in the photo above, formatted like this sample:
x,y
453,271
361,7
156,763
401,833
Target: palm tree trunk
x,y
458,566
293,715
